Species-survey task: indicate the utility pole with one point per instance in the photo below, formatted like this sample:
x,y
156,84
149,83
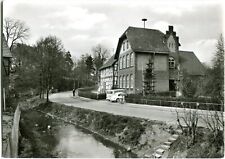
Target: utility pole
x,y
144,20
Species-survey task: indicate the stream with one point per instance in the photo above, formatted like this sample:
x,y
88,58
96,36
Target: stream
x,y
65,140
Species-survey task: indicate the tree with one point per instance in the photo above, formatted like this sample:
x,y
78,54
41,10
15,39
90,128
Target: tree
x,y
90,66
25,76
51,53
189,85
214,121
149,79
188,122
15,30
215,84
100,54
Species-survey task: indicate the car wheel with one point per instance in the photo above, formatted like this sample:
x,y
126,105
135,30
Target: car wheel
x,y
117,100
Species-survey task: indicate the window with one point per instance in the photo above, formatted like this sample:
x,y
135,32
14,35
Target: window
x,y
171,62
131,81
120,62
124,82
123,46
124,62
132,59
121,82
128,60
128,83
127,44
115,81
116,66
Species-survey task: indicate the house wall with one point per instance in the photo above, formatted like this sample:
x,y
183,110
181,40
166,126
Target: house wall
x,y
171,44
127,71
160,70
106,79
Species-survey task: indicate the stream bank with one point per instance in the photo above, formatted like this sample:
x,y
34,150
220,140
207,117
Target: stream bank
x,y
139,136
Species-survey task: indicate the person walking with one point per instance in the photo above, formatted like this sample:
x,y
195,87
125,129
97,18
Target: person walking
x,y
73,92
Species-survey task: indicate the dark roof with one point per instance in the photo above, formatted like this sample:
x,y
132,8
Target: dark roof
x,y
108,63
6,51
190,63
144,40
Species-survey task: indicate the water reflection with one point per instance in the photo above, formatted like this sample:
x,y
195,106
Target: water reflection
x,y
74,143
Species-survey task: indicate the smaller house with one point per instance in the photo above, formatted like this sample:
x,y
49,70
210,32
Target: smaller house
x,y
108,75
6,63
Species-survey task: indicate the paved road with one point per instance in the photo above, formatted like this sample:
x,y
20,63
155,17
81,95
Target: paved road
x,y
165,114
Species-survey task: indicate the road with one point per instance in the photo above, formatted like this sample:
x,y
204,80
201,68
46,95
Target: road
x,y
165,114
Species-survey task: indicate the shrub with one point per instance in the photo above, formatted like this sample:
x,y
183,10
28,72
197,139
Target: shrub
x,y
86,92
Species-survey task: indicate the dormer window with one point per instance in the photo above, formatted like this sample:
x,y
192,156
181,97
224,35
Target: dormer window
x,y
171,63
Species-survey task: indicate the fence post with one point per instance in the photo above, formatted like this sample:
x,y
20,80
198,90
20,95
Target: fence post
x,y
197,104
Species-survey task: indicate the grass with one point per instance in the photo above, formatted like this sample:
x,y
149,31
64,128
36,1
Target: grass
x,y
205,146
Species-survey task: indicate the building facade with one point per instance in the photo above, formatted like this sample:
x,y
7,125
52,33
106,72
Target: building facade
x,y
136,47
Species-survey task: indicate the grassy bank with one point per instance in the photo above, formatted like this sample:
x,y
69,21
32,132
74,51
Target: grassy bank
x,y
206,146
139,135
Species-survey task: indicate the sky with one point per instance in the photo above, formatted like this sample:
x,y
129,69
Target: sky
x,y
83,24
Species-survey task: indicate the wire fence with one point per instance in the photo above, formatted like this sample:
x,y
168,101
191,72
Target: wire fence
x,y
13,139
179,104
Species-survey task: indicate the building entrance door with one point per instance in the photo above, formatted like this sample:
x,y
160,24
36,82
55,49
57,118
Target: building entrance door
x,y
172,85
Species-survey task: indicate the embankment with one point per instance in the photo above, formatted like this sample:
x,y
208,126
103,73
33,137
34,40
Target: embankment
x,y
10,143
140,136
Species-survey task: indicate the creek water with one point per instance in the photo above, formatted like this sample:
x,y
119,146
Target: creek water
x,y
74,142
63,140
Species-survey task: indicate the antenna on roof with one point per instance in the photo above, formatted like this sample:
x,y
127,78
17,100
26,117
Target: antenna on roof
x,y
144,20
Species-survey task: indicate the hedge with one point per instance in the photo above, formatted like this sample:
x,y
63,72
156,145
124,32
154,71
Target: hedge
x,y
203,104
86,92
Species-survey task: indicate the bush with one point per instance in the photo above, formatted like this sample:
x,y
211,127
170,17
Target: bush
x,y
86,92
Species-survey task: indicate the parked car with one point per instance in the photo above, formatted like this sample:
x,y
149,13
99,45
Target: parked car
x,y
118,97
110,93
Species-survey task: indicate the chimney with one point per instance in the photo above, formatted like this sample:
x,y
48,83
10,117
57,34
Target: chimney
x,y
170,28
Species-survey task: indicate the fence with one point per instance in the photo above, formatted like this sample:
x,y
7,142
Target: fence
x,y
179,104
13,139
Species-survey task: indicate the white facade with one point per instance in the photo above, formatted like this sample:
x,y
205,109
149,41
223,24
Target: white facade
x,y
106,79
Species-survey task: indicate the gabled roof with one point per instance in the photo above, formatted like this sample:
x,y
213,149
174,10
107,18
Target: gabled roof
x,y
109,63
191,63
144,40
6,51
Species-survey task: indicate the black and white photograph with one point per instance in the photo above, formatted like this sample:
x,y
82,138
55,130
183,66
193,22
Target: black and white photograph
x,y
112,78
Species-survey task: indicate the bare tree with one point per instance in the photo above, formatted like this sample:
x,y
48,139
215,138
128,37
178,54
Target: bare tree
x,y
214,121
15,30
100,54
188,122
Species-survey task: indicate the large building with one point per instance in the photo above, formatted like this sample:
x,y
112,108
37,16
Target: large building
x,y
139,46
